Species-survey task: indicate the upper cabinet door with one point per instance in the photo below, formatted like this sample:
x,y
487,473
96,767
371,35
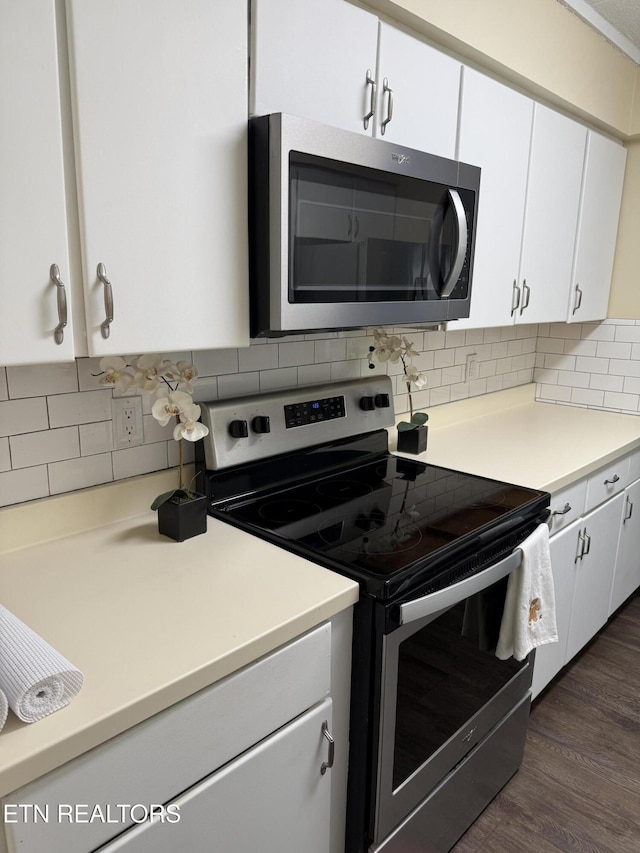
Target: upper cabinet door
x,y
418,94
33,225
597,228
551,216
311,59
495,134
159,92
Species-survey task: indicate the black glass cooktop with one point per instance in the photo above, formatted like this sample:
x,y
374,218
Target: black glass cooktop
x,y
386,520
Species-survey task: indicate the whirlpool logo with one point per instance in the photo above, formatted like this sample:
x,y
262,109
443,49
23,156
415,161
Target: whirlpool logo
x,y
400,159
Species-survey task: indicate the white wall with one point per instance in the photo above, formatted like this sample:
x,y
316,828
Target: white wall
x,y
55,421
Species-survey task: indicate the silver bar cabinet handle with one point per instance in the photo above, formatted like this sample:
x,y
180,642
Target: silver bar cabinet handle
x,y
565,509
58,332
372,102
108,300
386,88
630,506
580,551
515,298
328,764
526,296
587,540
614,479
578,300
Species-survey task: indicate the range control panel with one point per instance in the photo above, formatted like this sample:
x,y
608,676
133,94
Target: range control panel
x,y
313,411
248,429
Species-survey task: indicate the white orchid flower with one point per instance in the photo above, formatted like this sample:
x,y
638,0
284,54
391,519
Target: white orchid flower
x,y
149,371
184,373
115,372
172,405
414,376
189,427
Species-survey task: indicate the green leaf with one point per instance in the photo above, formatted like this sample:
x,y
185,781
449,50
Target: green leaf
x,y
163,498
403,426
420,418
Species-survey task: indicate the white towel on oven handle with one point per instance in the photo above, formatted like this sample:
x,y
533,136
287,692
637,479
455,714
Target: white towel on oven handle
x,y
36,679
529,616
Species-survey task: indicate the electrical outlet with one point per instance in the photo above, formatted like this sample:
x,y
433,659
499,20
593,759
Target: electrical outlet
x,y
471,367
126,414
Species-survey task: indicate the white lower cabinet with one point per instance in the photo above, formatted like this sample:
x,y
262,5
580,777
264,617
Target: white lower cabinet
x,y
273,798
626,578
594,573
594,546
242,760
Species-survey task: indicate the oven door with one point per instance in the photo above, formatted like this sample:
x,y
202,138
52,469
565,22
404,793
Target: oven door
x,y
442,689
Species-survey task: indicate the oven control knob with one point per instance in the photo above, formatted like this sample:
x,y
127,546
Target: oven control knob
x,y
261,424
238,429
382,401
367,404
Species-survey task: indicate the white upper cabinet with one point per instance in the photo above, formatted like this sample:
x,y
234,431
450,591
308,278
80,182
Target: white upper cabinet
x,y
418,92
597,229
495,134
345,70
33,224
551,216
531,160
311,59
159,98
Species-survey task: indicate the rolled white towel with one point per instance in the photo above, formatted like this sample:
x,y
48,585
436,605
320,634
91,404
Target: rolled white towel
x,y
36,679
4,709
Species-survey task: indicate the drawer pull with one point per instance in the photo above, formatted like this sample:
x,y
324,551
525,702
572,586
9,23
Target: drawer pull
x,y
563,511
54,274
630,506
587,540
327,765
614,479
108,300
580,550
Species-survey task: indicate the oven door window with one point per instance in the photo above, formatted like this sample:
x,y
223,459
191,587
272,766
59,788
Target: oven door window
x,y
443,689
361,235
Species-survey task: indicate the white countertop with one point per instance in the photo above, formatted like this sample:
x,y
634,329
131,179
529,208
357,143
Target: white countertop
x,y
509,436
150,621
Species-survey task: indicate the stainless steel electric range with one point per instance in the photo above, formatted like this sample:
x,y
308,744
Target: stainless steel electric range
x,y
437,722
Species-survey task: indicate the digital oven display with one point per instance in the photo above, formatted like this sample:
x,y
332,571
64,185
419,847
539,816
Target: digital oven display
x,y
314,411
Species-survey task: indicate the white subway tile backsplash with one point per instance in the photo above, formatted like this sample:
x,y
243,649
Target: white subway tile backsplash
x,y
89,374
587,397
237,385
444,358
631,384
333,350
345,370
97,438
257,358
627,333
613,349
38,448
604,382
81,408
173,449
574,379
439,396
5,456
314,374
300,352
624,368
81,473
23,484
455,338
283,377
598,331
27,415
588,348
38,380
627,402
560,393
154,432
213,362
550,345
588,364
139,460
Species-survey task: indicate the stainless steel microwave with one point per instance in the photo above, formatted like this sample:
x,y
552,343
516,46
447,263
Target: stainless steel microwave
x,y
348,231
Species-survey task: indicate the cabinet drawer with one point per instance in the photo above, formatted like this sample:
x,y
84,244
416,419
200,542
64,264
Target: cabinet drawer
x,y
567,505
607,482
163,756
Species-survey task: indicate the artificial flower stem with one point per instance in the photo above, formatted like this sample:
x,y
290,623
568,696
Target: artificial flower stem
x,y
180,458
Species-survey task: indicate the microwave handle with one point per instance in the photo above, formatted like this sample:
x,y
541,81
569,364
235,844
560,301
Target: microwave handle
x,y
411,611
461,240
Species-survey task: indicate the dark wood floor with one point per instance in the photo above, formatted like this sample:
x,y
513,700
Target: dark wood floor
x,y
579,785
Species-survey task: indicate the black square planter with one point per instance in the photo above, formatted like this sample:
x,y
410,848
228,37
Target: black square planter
x,y
412,440
182,520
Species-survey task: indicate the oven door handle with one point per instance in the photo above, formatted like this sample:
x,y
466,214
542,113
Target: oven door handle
x,y
411,611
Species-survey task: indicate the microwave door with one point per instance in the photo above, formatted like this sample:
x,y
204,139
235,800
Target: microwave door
x,y
443,255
